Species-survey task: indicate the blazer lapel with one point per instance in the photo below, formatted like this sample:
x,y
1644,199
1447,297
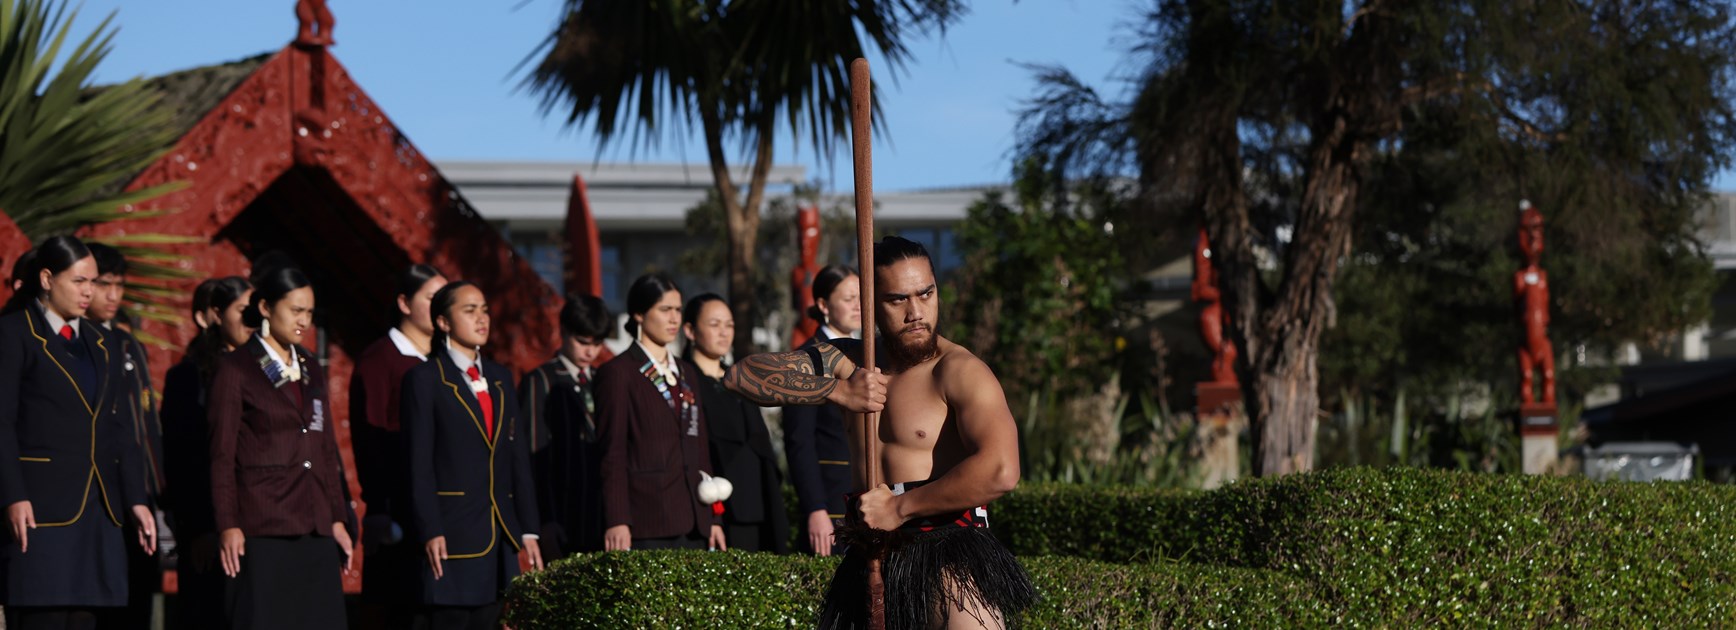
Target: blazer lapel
x,y
497,398
260,357
96,346
58,355
459,383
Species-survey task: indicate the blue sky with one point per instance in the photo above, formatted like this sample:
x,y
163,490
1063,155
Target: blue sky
x,y
444,71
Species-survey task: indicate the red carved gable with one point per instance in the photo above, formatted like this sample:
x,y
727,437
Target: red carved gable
x,y
13,243
297,158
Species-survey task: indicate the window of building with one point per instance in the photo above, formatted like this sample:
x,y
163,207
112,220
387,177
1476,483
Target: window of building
x,y
941,247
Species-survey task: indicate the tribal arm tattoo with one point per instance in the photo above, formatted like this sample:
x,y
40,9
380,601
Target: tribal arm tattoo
x,y
787,378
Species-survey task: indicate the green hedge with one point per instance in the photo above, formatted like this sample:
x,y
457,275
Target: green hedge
x,y
696,589
1363,547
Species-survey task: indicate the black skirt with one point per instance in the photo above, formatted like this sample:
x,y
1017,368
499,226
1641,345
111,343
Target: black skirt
x,y
82,564
288,583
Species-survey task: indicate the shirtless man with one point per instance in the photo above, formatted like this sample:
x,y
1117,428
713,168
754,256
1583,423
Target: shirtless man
x,y
949,446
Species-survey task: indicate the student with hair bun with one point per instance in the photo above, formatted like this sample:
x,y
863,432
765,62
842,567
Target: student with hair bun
x,y
653,432
219,303
277,484
70,476
382,457
815,444
471,494
741,445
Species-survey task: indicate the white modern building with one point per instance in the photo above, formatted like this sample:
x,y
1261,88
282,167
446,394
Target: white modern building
x,y
641,210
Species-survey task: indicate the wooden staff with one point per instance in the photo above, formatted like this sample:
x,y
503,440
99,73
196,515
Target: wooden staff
x,y
861,117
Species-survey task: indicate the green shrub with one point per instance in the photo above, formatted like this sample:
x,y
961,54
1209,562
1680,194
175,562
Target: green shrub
x,y
1360,547
694,589
1398,546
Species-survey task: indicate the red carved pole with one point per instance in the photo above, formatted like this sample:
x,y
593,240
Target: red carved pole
x,y
860,118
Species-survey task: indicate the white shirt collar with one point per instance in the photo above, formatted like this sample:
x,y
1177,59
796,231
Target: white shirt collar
x,y
461,360
668,367
55,321
570,367
832,333
405,346
294,364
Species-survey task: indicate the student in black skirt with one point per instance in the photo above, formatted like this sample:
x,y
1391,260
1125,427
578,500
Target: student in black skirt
x,y
276,479
69,467
741,446
219,304
471,494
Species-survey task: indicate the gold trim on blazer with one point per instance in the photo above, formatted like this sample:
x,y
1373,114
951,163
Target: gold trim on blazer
x,y
496,522
30,320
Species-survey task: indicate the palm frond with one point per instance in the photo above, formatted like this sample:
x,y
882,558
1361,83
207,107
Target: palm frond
x,y
67,146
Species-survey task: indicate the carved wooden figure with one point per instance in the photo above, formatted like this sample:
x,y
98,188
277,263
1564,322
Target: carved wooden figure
x,y
802,277
1212,315
1531,296
316,23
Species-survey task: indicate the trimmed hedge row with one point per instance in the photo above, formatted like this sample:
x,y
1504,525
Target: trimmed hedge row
x,y
1358,547
696,589
1406,545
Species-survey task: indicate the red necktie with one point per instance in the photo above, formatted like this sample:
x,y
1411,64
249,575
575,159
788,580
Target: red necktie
x,y
487,402
66,331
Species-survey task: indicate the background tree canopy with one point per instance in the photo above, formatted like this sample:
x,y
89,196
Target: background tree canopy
x,y
1359,165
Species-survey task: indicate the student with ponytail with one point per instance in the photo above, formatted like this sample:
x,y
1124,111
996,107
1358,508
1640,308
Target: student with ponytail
x,y
471,496
653,431
741,445
277,484
389,585
70,476
815,443
218,303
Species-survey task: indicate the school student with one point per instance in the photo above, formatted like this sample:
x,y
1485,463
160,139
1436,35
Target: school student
x,y
471,494
276,479
560,409
70,476
389,585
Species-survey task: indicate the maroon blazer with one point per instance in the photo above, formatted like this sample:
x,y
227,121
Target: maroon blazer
x,y
651,456
274,463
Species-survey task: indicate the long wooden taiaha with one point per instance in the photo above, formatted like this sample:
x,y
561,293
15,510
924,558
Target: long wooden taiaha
x,y
861,119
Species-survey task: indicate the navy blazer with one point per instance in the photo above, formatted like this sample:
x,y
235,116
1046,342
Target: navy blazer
x,y
651,461
62,436
818,451
565,455
139,404
275,469
472,487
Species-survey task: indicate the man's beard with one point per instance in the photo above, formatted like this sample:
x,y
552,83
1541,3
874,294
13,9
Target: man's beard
x,y
907,353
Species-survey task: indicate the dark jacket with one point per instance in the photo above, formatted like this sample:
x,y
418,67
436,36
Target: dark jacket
x,y
187,450
275,469
566,453
651,455
818,450
61,434
139,406
382,458
466,484
741,449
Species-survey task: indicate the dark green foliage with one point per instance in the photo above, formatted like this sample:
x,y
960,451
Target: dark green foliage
x,y
1362,547
1404,546
1035,298
694,589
